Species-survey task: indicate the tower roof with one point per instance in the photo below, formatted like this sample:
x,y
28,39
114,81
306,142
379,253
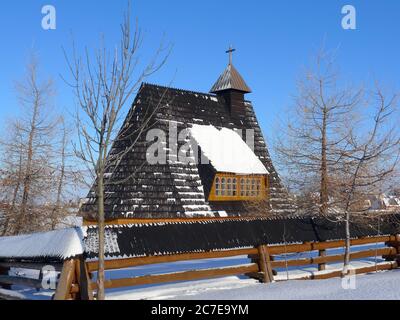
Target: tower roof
x,y
230,79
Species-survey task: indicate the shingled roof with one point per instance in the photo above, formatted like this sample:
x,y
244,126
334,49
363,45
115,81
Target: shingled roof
x,y
177,189
230,79
135,240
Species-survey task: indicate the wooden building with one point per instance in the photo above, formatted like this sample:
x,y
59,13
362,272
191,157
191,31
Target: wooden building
x,y
234,175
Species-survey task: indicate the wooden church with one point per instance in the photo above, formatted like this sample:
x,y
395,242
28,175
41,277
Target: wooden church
x,y
237,177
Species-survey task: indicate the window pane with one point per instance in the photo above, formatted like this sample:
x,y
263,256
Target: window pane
x,y
217,186
245,187
229,187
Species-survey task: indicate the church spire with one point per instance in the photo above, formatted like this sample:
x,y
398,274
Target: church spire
x,y
230,79
230,51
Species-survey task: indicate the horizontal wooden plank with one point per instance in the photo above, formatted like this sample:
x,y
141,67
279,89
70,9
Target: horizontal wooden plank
x,y
333,258
30,265
290,248
354,242
117,222
179,276
141,261
293,248
25,282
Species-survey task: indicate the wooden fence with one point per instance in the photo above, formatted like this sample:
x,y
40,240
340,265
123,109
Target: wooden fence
x,y
76,281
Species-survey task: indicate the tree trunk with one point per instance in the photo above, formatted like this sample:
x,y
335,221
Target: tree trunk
x,y
56,210
26,190
11,211
28,171
346,265
101,227
324,168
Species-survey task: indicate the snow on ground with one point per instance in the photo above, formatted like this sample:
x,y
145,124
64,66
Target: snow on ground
x,y
10,295
21,293
376,286
380,286
183,291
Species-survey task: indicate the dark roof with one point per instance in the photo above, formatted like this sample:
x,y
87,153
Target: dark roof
x,y
185,237
230,79
175,189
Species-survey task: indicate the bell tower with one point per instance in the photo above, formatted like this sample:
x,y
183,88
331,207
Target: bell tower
x,y
233,88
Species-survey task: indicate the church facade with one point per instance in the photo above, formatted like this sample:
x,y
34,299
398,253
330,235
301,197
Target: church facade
x,y
226,171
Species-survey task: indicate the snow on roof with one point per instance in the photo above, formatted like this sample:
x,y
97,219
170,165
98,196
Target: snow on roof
x,y
63,244
226,150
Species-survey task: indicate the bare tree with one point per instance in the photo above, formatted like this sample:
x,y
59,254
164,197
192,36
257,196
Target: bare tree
x,y
34,162
335,152
368,162
33,95
316,129
29,152
103,86
11,179
65,175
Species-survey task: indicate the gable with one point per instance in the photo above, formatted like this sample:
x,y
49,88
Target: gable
x,y
175,189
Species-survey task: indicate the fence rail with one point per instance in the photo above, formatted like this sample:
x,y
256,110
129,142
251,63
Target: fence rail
x,y
76,274
263,258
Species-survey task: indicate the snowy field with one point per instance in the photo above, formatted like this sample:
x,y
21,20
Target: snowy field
x,y
382,285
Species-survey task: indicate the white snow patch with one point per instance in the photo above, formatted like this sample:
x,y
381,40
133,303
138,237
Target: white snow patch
x,y
223,214
196,207
64,244
199,213
12,294
226,150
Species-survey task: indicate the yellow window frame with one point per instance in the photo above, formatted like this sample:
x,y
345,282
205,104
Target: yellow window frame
x,y
254,188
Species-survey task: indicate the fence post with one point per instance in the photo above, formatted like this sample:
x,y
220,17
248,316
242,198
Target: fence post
x,y
322,266
265,264
396,245
4,272
83,279
63,291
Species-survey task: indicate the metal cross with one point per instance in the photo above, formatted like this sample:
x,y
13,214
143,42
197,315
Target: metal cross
x,y
230,51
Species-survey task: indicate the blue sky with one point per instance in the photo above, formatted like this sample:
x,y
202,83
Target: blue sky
x,y
274,40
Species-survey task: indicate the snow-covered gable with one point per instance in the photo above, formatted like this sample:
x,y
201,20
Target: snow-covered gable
x,y
226,150
61,244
